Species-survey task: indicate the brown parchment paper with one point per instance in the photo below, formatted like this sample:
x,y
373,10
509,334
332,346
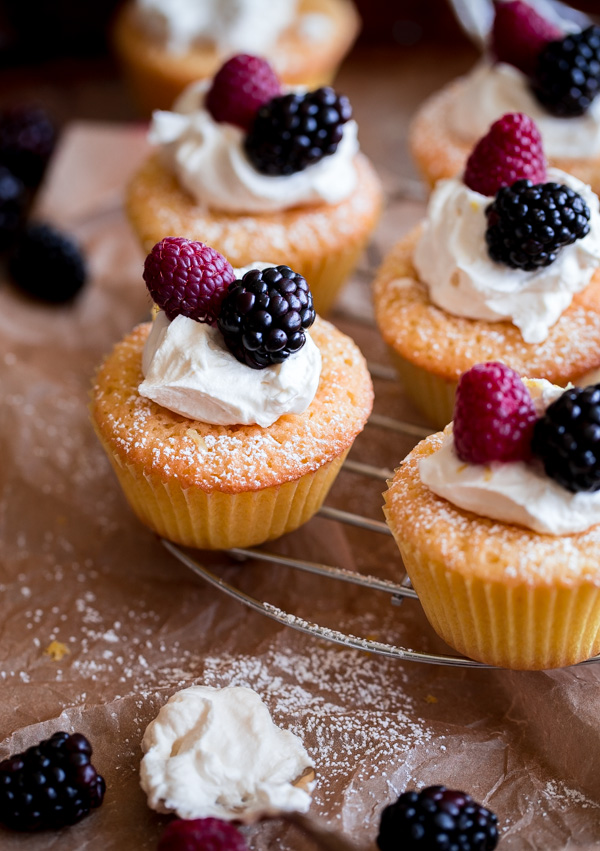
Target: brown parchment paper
x,y
78,569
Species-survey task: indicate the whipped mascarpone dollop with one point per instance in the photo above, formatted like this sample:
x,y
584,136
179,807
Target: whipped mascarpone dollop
x,y
451,257
515,492
188,369
234,26
216,753
493,89
209,161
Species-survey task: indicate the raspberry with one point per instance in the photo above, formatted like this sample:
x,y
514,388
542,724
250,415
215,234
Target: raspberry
x,y
494,415
567,439
567,77
12,207
187,278
47,264
519,34
49,785
264,316
239,88
201,834
529,225
294,131
511,150
437,818
27,138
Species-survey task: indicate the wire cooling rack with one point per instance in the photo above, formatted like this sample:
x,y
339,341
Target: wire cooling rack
x,y
398,591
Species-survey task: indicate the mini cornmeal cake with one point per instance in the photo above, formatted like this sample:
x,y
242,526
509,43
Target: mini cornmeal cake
x,y
225,419
504,267
534,66
497,520
166,46
233,169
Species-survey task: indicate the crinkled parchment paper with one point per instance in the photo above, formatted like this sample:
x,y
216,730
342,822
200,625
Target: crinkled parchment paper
x,y
130,625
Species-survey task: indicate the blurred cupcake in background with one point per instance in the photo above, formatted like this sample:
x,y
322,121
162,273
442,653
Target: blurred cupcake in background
x,y
164,45
535,62
256,171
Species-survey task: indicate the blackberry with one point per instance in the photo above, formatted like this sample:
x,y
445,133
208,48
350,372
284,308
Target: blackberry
x,y
12,207
27,138
528,224
567,439
263,317
49,785
437,819
293,131
567,75
47,264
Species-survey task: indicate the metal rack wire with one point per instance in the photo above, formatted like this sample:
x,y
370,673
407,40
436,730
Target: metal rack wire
x,y
397,591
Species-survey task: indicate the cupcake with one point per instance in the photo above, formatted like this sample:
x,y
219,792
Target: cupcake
x,y
504,267
229,171
164,45
532,66
497,520
225,419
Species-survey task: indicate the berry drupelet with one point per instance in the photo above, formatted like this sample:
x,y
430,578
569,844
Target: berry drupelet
x,y
293,131
50,785
437,819
528,224
567,75
264,316
567,439
47,264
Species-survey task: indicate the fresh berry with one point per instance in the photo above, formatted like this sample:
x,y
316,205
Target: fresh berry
x,y
511,150
12,207
567,439
49,785
437,819
494,415
567,77
27,138
239,88
519,34
187,278
264,316
202,834
294,131
47,264
529,224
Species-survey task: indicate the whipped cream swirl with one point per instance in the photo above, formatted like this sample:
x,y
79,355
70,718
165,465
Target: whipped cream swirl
x,y
209,161
493,89
188,369
217,753
515,492
451,257
234,26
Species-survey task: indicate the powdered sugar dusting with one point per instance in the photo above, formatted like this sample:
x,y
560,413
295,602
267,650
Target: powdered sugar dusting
x,y
326,696
233,458
447,345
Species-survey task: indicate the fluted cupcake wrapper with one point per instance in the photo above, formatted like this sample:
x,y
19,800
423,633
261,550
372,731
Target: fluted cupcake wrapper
x,y
431,395
217,520
523,627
